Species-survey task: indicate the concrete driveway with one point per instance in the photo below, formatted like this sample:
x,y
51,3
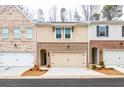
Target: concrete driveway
x,y
12,71
70,72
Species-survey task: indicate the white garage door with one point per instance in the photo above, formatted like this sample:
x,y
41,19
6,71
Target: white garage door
x,y
113,57
16,59
68,59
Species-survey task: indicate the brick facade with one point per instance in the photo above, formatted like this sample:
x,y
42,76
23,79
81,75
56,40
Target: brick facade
x,y
60,47
104,44
11,17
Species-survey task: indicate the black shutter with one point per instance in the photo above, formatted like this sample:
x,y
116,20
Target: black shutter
x,y
97,31
122,31
107,31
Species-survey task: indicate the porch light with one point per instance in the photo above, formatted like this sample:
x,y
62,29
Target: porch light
x,y
121,43
68,46
15,45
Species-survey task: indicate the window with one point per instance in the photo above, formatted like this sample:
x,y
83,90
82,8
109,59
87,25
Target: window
x,y
5,32
17,33
122,31
102,30
29,32
68,33
58,33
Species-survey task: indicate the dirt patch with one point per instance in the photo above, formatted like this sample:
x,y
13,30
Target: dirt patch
x,y
34,72
109,71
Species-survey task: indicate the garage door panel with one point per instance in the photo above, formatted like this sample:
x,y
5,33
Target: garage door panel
x,y
113,57
16,59
68,59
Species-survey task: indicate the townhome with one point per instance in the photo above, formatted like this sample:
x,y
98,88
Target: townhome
x,y
106,42
17,38
62,44
59,44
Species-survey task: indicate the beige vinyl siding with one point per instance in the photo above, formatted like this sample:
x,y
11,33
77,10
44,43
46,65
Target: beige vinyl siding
x,y
46,34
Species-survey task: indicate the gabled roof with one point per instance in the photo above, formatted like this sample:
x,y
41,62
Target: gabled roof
x,y
4,6
62,24
107,22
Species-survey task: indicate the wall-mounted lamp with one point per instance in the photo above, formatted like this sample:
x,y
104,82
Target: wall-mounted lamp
x,y
121,43
15,45
68,46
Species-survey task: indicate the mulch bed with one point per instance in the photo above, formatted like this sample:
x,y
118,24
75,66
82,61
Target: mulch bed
x,y
109,71
34,72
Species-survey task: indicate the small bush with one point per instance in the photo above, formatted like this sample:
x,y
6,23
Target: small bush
x,y
94,67
101,63
102,66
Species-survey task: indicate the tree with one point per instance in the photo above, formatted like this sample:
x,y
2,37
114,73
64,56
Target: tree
x,y
96,16
53,14
63,14
89,10
70,15
76,16
40,16
26,11
112,11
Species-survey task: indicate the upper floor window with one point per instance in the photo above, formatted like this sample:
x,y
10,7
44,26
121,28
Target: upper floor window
x,y
17,33
5,33
29,32
68,33
102,31
58,33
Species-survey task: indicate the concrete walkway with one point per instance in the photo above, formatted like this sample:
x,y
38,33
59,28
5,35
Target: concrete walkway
x,y
12,71
121,69
70,72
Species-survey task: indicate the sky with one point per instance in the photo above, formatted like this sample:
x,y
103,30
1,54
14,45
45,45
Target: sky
x,y
46,8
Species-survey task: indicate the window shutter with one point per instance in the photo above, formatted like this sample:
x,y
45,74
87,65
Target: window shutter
x,y
122,31
107,31
97,31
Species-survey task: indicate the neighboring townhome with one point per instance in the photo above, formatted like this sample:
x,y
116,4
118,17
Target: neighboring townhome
x,y
106,42
62,44
17,38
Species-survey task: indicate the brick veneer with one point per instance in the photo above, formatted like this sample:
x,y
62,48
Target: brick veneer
x,y
60,47
104,44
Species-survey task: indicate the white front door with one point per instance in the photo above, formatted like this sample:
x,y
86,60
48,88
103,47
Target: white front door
x,y
68,59
113,57
16,59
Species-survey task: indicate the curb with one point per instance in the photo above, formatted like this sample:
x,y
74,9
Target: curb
x,y
60,77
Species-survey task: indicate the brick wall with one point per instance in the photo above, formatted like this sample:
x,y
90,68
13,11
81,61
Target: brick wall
x,y
100,45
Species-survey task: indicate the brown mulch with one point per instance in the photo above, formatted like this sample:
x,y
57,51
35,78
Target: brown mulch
x,y
34,72
109,71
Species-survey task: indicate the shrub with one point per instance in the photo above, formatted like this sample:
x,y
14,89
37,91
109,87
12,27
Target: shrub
x,y
94,67
101,63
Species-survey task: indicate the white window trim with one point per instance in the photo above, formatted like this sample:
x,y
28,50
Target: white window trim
x,y
18,33
105,30
28,33
55,33
6,33
71,33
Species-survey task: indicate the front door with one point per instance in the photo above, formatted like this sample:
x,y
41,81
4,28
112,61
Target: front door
x,y
43,57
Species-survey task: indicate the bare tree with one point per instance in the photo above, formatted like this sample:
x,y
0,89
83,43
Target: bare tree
x,y
63,14
40,14
76,16
89,10
28,12
70,15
